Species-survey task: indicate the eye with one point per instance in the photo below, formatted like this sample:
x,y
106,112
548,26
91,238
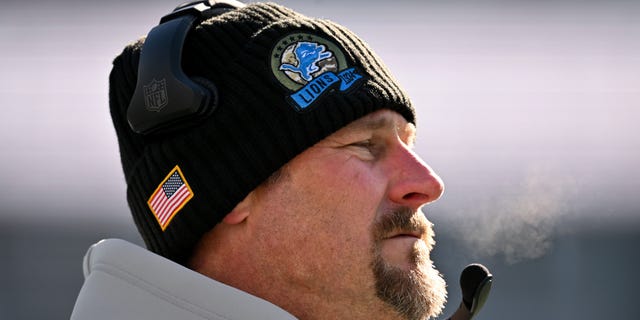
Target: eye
x,y
366,144
366,149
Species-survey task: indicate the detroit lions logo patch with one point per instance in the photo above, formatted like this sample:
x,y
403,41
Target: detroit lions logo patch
x,y
307,54
311,66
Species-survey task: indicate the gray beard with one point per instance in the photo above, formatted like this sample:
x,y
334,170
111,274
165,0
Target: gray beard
x,y
416,294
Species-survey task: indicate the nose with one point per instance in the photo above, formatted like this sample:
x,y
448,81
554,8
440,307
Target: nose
x,y
413,183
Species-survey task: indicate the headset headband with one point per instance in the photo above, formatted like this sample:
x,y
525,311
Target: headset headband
x,y
164,96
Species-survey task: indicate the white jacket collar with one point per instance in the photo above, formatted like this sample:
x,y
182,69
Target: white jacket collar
x,y
124,281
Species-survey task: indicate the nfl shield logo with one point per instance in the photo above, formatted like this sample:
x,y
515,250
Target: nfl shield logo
x,y
155,95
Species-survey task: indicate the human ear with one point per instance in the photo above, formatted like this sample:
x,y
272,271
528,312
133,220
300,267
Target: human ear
x,y
240,212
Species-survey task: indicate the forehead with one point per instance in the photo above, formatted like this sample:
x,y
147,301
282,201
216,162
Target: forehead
x,y
382,120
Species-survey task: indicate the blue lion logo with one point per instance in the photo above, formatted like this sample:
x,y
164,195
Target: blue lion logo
x,y
308,54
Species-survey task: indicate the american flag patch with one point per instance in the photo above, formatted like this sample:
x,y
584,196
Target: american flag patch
x,y
170,196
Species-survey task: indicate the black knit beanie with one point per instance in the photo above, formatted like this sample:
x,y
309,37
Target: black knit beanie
x,y
285,81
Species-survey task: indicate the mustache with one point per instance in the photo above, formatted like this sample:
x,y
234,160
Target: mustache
x,y
401,220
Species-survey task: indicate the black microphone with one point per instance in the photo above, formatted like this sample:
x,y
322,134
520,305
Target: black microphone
x,y
475,282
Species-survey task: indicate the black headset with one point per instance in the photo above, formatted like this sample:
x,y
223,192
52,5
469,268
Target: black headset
x,y
165,98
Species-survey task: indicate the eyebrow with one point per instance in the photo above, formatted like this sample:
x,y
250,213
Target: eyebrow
x,y
382,122
373,124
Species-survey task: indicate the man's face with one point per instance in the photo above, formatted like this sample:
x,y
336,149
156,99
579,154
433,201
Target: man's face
x,y
343,222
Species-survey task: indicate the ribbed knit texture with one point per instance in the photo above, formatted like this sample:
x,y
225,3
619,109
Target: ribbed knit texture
x,y
254,130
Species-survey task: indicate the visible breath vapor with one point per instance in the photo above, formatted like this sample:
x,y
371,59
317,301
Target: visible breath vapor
x,y
519,223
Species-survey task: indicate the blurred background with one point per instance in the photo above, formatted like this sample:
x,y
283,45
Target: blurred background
x,y
527,109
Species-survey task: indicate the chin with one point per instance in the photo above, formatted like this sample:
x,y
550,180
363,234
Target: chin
x,y
416,290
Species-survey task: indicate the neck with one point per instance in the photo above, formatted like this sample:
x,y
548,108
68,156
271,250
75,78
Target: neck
x,y
290,292
312,307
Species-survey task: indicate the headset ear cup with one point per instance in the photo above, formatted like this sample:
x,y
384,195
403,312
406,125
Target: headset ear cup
x,y
212,95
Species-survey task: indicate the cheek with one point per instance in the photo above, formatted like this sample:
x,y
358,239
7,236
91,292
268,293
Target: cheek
x,y
335,209
328,206
344,205
316,225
